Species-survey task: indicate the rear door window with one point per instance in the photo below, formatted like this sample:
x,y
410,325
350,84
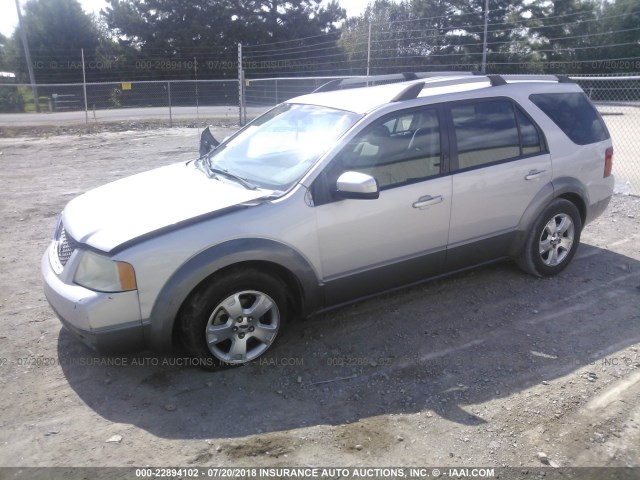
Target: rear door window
x,y
485,132
529,135
574,114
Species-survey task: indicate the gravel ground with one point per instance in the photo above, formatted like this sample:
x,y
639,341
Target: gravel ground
x,y
491,367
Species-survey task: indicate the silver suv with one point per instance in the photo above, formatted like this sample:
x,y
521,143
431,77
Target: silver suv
x,y
329,198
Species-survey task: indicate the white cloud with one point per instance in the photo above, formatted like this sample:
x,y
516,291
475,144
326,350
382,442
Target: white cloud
x,y
354,7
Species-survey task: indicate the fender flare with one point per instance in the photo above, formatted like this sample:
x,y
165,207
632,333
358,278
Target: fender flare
x,y
160,325
563,186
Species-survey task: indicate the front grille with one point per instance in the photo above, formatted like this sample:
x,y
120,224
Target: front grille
x,y
65,246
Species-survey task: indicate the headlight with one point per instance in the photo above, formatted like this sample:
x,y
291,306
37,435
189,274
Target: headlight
x,y
102,274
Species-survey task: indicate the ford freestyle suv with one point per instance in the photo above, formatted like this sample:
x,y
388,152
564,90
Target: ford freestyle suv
x,y
328,198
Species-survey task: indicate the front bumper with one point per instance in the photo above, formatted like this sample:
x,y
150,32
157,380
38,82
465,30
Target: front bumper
x,y
106,322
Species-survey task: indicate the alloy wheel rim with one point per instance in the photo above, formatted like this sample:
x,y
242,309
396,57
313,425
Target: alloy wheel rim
x,y
242,326
556,240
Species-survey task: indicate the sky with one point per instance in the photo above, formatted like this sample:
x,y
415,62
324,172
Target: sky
x,y
9,17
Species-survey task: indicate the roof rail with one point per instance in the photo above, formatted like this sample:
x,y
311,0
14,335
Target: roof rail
x,y
414,89
537,77
354,82
469,77
496,80
409,93
564,79
329,86
433,80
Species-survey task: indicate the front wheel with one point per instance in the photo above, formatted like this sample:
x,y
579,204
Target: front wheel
x,y
234,318
553,240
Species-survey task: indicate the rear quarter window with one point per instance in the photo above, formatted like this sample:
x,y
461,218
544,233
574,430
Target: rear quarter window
x,y
574,114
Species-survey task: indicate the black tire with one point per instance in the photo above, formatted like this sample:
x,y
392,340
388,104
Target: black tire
x,y
204,319
547,253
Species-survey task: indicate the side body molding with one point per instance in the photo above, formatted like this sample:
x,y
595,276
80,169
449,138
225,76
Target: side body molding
x,y
159,327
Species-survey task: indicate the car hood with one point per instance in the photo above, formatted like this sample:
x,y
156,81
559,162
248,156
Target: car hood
x,y
160,199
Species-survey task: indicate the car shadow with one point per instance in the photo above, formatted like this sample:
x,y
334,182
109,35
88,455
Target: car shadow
x,y
444,348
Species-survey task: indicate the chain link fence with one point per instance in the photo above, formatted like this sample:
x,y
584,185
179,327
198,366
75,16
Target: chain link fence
x,y
266,92
203,101
163,102
618,100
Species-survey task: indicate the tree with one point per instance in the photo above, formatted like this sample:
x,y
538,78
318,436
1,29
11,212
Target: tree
x,y
393,42
10,98
567,31
209,30
440,34
56,31
277,20
440,21
4,61
620,37
507,33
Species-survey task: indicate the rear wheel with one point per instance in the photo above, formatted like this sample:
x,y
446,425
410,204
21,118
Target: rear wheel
x,y
553,240
234,319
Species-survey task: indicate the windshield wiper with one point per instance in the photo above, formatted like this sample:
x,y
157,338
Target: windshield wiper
x,y
242,181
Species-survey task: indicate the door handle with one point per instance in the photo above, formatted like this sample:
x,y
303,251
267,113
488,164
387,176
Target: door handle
x,y
533,174
427,200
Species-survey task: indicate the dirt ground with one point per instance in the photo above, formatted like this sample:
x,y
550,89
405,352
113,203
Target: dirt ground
x,y
490,367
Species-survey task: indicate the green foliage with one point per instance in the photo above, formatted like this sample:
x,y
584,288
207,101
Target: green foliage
x,y
276,20
4,46
390,41
439,34
620,27
11,99
151,33
560,36
566,32
28,104
115,97
56,31
166,39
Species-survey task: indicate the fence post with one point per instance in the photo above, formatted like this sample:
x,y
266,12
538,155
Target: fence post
x,y
483,68
244,100
169,93
240,85
84,89
195,69
369,51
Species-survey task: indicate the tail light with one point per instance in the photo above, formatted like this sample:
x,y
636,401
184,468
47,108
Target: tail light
x,y
608,161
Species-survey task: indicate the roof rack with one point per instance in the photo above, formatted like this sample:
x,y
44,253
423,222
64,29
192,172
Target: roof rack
x,y
534,78
433,79
409,93
355,82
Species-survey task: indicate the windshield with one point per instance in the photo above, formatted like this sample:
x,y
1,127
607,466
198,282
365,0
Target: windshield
x,y
275,150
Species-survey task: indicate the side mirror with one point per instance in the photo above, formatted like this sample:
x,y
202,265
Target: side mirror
x,y
207,142
357,185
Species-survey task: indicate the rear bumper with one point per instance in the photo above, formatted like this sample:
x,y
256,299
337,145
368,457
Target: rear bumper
x,y
597,209
106,322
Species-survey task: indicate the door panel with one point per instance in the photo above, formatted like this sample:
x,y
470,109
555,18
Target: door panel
x,y
500,165
491,200
368,246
